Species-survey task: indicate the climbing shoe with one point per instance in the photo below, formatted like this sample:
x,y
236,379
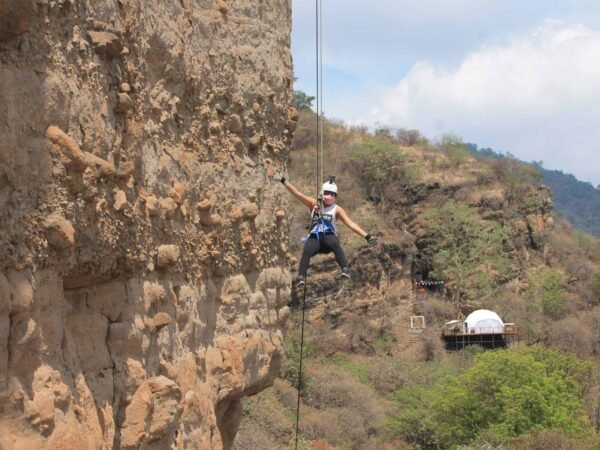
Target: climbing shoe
x,y
346,272
300,281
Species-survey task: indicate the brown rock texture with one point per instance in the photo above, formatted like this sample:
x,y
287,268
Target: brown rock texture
x,y
143,290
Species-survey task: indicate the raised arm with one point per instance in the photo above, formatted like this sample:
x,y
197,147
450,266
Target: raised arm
x,y
309,202
343,216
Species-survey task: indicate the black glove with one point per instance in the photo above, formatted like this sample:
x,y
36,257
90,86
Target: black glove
x,y
372,240
279,177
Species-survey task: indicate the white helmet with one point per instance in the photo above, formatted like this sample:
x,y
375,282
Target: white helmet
x,y
329,187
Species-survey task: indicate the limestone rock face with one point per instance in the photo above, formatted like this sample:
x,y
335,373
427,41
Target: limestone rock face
x,y
143,289
16,17
59,232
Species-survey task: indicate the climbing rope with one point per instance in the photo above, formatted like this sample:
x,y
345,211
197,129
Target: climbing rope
x,y
319,86
300,364
319,174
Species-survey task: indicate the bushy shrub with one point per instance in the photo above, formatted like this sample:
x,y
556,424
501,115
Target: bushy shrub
x,y
386,375
410,137
573,335
327,341
467,252
547,293
378,162
250,439
517,179
285,394
414,423
358,423
503,395
321,424
377,159
455,148
431,346
333,390
596,287
276,423
291,363
592,318
437,312
553,440
512,393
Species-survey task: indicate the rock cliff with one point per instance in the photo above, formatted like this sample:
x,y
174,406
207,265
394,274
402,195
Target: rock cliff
x,y
144,265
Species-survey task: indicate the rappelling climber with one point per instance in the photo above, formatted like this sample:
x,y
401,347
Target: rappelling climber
x,y
322,237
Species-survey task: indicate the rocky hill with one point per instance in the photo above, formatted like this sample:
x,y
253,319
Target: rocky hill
x,y
577,200
397,205
483,227
144,272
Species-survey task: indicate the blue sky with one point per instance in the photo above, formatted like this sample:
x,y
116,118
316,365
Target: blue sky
x,y
517,76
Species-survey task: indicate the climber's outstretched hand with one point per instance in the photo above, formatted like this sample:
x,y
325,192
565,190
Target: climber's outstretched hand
x,y
371,240
276,175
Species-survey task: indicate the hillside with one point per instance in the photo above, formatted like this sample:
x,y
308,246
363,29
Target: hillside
x,y
577,200
485,227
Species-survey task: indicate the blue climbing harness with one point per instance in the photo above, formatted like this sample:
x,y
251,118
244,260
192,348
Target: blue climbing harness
x,y
320,224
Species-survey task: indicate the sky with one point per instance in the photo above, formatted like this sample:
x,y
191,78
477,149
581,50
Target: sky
x,y
516,76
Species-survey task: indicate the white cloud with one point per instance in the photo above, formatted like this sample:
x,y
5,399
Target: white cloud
x,y
536,94
380,40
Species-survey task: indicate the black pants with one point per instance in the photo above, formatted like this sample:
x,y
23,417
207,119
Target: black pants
x,y
325,244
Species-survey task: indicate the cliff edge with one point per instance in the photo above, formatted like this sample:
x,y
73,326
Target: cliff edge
x,y
144,268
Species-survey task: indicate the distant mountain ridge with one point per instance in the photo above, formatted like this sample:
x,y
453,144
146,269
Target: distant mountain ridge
x,y
578,201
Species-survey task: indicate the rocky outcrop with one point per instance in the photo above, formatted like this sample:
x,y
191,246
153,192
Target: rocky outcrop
x,y
16,16
351,315
144,273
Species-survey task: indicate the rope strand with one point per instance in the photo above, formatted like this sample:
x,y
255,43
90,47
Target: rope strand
x,y
321,116
318,87
319,174
300,365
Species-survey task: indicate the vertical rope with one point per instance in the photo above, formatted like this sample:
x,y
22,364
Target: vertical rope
x,y
319,176
318,86
300,365
321,179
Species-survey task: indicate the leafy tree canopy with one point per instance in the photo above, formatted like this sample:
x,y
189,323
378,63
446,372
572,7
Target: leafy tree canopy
x,y
466,252
546,290
504,394
379,163
596,286
453,145
302,100
511,393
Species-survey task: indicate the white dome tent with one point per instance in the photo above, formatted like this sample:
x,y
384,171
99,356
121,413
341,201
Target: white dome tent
x,y
482,327
483,321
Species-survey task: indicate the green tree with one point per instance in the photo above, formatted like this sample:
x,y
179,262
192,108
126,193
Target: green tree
x,y
585,243
302,100
545,288
503,395
410,137
453,145
466,252
414,422
379,163
509,393
517,178
596,286
383,131
291,364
